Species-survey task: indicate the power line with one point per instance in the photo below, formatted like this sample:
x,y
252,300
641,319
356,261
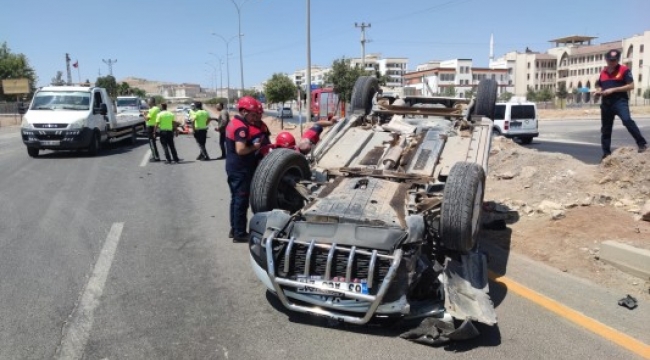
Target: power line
x,y
110,63
363,27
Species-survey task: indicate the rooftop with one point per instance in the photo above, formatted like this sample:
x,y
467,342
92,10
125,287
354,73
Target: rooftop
x,y
573,39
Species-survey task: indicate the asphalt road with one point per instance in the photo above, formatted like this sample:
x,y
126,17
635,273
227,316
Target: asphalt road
x,y
112,257
581,138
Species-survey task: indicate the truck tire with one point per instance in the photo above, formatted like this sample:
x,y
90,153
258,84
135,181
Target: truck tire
x,y
486,98
271,187
461,206
364,90
93,148
32,151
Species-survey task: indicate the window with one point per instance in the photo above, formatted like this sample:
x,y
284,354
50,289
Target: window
x,y
641,48
528,65
638,92
641,63
640,78
499,112
527,76
521,112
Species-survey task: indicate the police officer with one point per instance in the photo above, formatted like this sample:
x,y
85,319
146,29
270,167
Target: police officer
x,y
151,115
243,140
166,122
200,120
613,85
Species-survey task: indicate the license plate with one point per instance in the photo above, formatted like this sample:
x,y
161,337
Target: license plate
x,y
359,288
515,124
51,142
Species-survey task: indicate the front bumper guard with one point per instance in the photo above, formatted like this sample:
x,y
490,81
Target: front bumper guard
x,y
374,300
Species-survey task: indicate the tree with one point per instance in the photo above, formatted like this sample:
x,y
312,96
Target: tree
x,y
279,89
124,89
58,79
343,77
449,91
470,93
108,82
531,94
506,96
544,95
15,66
562,94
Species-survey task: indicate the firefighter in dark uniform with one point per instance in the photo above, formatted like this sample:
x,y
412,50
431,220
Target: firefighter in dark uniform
x,y
244,138
613,85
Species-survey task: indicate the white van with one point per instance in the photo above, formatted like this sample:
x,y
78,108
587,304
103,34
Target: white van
x,y
516,120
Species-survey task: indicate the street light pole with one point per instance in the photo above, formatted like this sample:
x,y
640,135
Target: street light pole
x,y
220,69
214,74
241,58
227,42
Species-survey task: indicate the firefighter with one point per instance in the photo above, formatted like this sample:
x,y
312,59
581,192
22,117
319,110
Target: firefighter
x,y
243,139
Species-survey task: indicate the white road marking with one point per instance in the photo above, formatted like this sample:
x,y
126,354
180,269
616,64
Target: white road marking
x,y
77,331
567,141
146,157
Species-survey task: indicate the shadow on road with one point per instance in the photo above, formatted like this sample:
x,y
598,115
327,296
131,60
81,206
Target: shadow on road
x,y
107,150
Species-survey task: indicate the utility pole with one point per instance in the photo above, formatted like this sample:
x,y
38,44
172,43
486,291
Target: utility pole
x,y
110,63
308,75
363,27
67,67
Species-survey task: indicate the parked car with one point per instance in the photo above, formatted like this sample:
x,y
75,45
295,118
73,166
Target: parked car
x,y
381,219
285,112
516,120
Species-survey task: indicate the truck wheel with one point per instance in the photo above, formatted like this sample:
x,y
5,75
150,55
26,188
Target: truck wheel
x,y
364,90
461,206
486,97
273,183
32,151
93,148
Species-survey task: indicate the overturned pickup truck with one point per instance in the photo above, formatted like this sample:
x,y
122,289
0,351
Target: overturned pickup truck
x,y
381,219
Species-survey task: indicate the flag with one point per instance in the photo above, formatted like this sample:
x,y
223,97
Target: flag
x,y
76,64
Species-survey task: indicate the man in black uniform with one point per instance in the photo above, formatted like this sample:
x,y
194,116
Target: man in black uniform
x,y
613,85
243,140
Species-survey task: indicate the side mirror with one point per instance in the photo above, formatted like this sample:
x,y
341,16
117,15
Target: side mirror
x,y
103,109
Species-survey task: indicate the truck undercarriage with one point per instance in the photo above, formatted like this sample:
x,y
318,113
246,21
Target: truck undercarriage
x,y
381,220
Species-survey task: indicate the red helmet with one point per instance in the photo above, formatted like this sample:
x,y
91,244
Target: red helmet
x,y
248,103
285,140
260,108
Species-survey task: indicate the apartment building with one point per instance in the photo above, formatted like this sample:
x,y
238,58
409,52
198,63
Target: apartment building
x,y
180,92
575,63
317,76
394,68
437,77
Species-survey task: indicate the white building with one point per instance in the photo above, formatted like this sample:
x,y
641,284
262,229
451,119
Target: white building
x,y
436,78
394,67
317,76
575,63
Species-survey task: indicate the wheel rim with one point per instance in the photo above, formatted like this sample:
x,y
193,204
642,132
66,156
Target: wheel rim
x,y
287,196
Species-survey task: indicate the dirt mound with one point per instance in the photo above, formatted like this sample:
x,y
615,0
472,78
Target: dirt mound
x,y
556,209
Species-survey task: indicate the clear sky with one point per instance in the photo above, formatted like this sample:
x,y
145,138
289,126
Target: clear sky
x,y
170,40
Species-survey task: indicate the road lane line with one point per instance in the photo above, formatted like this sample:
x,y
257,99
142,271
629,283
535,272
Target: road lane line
x,y
574,316
146,157
566,141
78,329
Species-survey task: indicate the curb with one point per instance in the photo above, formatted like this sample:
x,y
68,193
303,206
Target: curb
x,y
628,259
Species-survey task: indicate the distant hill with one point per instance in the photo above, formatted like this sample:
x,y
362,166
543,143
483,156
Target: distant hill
x,y
151,87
